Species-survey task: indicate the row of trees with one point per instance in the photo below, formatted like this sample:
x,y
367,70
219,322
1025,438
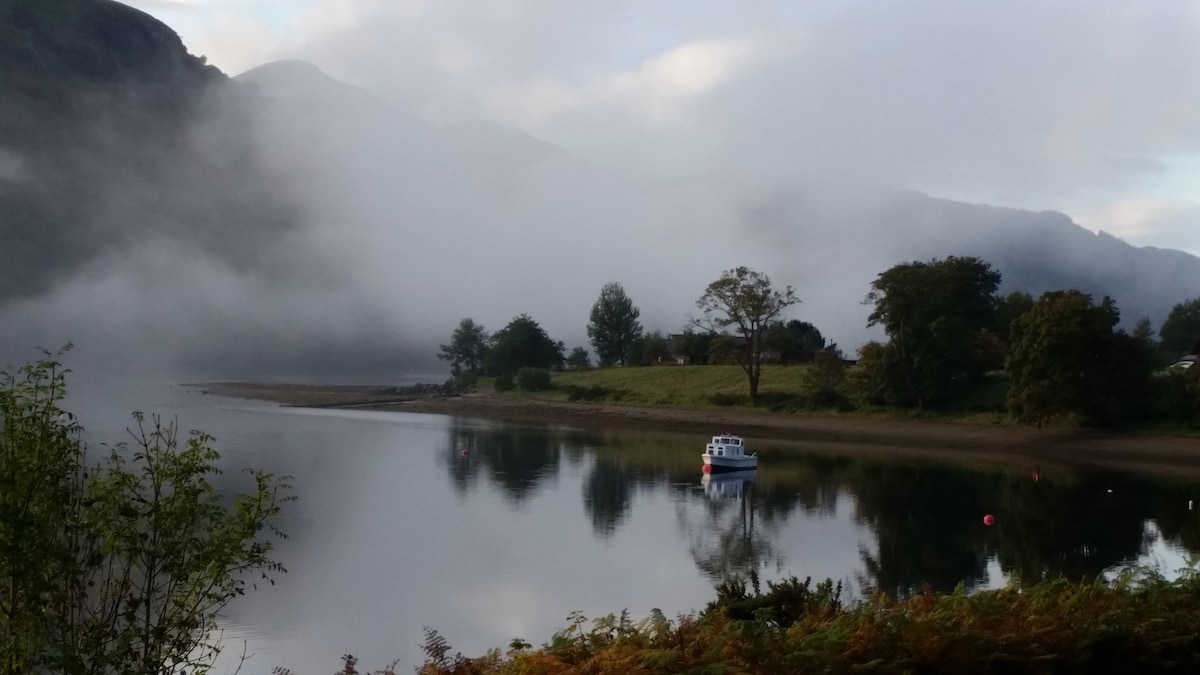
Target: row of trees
x,y
742,302
1063,354
948,333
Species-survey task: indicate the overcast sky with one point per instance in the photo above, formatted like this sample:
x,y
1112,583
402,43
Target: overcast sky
x,y
1087,106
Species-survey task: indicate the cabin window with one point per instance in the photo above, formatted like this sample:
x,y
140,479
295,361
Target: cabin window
x,y
720,453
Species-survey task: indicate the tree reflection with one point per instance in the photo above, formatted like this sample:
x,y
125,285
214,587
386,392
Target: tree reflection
x,y
1076,528
515,459
927,517
607,495
725,542
924,518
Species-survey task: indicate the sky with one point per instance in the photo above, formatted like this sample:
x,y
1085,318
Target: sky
x,y
486,159
1082,106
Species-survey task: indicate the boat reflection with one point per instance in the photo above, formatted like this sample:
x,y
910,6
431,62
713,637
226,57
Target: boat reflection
x,y
729,485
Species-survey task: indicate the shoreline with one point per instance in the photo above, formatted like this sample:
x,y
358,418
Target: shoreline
x,y
826,433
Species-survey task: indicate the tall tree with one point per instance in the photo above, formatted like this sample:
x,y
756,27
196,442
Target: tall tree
x,y
523,344
935,314
795,341
746,301
467,349
1066,358
1180,332
614,326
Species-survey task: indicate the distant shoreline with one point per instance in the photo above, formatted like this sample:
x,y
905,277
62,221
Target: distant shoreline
x,y
826,433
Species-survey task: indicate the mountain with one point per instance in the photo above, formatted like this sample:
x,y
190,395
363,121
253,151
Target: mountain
x,y
282,222
110,133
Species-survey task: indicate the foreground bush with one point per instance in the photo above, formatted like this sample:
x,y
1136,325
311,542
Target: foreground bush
x,y
1152,626
533,379
122,567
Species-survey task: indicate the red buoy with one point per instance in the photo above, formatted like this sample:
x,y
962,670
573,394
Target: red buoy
x,y
989,519
707,468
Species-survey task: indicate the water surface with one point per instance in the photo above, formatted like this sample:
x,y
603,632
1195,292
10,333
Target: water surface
x,y
489,531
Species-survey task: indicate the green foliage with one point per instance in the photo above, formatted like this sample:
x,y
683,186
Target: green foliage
x,y
695,347
1180,332
504,383
578,359
1008,309
123,567
873,379
651,349
533,379
1066,358
523,344
467,350
824,382
794,341
745,301
1177,394
613,327
465,381
935,314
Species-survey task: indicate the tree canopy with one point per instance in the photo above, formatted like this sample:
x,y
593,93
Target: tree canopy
x,y
613,327
795,341
467,349
523,344
935,314
1066,358
745,301
1180,332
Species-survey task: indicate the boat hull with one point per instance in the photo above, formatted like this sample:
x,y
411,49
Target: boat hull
x,y
726,464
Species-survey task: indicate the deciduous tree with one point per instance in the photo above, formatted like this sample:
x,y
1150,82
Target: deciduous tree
x,y
613,327
935,314
523,344
1066,358
578,358
745,301
794,341
1180,331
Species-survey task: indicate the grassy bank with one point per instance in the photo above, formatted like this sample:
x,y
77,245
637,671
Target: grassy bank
x,y
782,389
1133,625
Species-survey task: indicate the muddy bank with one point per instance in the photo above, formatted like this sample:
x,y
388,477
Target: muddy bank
x,y
817,432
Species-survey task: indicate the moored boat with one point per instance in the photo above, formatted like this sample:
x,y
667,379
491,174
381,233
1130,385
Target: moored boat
x,y
727,452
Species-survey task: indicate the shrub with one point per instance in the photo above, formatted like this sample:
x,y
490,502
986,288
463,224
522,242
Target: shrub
x,y
533,379
76,539
465,381
504,383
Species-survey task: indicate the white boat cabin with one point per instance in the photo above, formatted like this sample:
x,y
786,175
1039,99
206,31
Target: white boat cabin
x,y
726,445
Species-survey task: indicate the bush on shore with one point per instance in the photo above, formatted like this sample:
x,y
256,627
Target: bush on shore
x,y
1139,623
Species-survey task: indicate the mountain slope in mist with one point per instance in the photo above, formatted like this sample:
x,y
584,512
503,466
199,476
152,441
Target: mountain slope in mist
x,y
283,223
506,224
112,133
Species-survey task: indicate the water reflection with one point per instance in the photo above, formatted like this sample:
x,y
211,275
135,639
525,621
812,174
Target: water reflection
x,y
925,519
723,543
